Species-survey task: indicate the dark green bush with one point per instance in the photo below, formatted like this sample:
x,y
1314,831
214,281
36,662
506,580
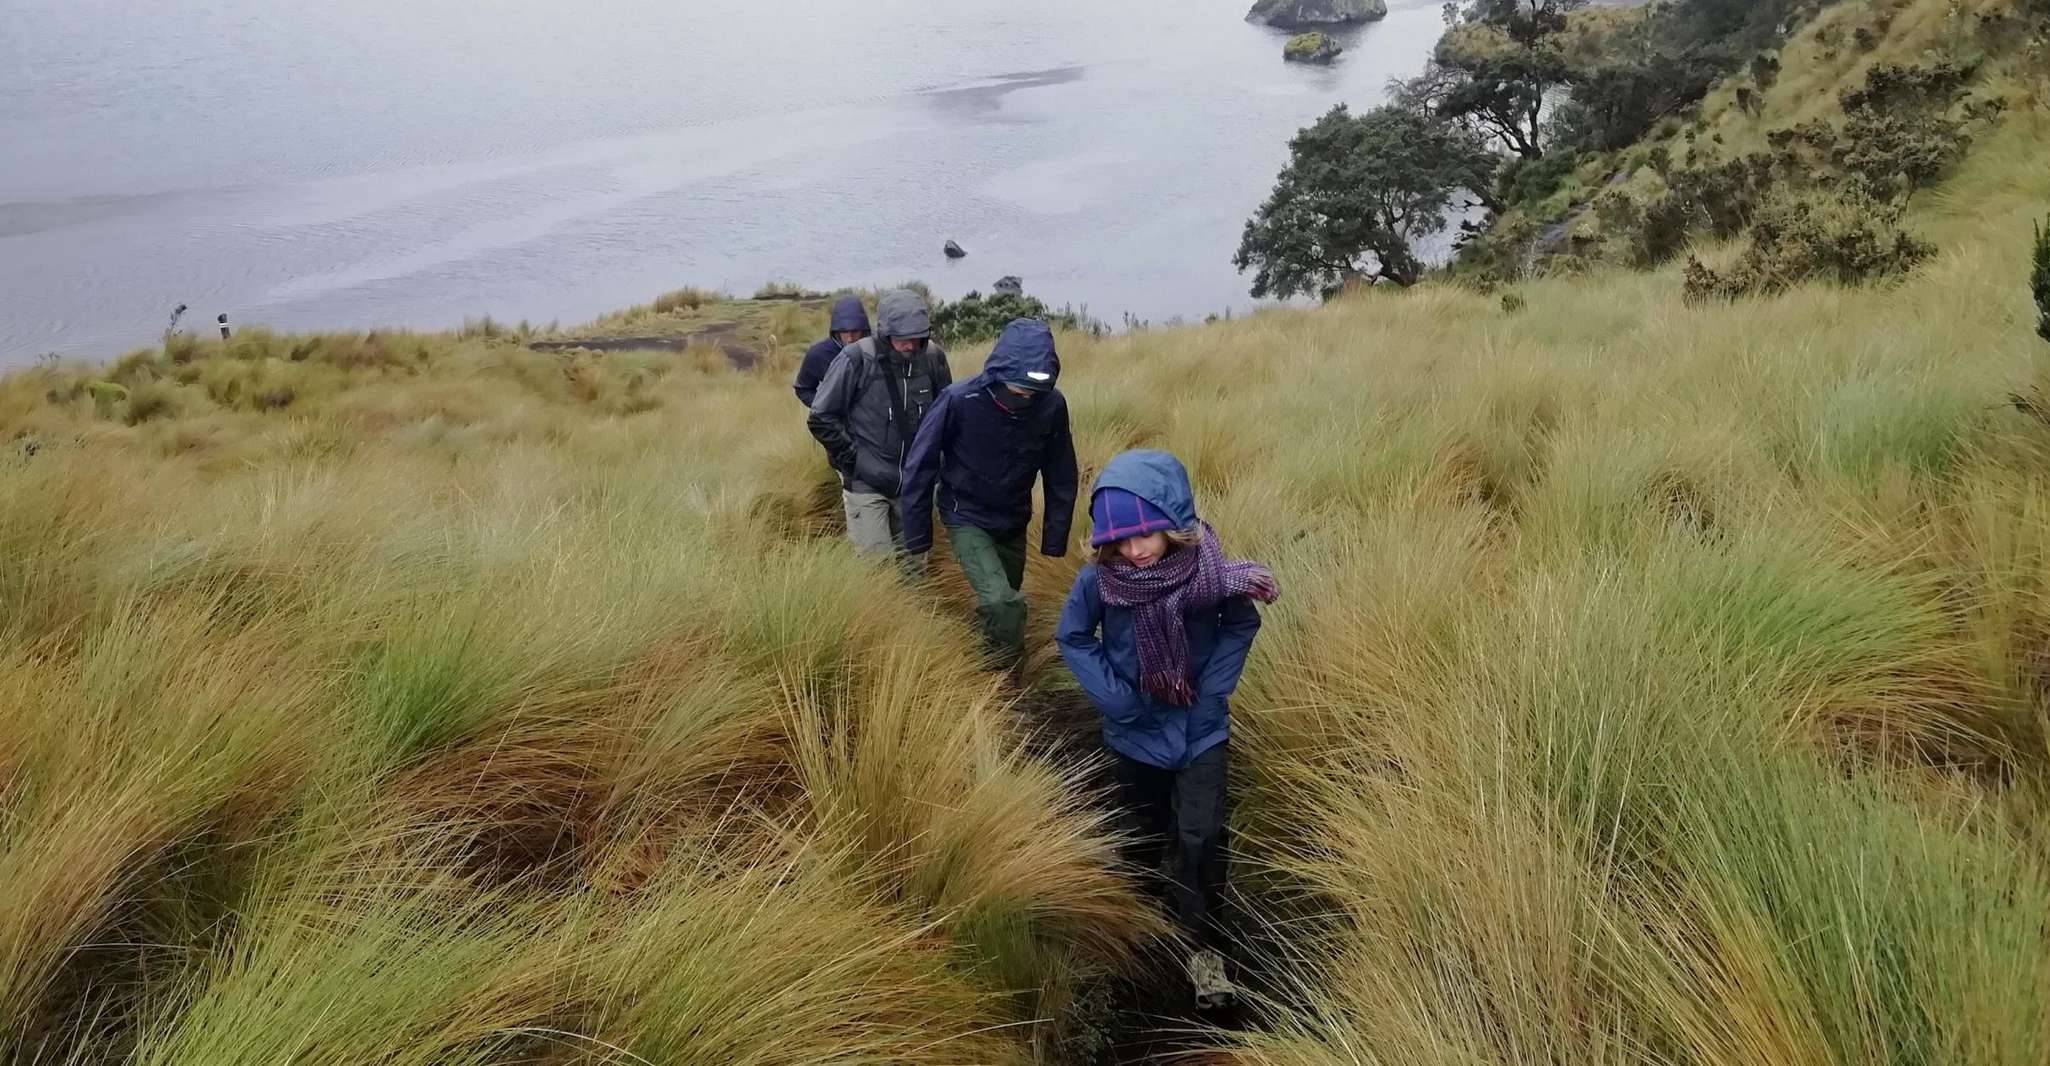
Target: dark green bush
x,y
1720,197
1765,69
1649,233
1846,239
975,317
1531,181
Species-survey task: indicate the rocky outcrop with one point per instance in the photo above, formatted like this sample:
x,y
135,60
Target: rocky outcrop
x,y
1315,14
1311,47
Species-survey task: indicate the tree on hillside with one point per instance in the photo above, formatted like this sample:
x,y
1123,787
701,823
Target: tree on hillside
x,y
1497,67
1358,189
2040,282
1625,77
1527,22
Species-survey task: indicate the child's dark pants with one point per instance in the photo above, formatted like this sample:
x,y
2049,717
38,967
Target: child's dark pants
x,y
1188,807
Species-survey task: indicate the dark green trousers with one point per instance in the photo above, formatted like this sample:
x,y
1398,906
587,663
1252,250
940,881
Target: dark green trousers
x,y
995,566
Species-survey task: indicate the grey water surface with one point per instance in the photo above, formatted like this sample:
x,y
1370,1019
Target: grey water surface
x,y
309,164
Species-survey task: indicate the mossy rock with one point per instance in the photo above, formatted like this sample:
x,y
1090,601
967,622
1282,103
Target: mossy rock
x,y
1311,48
1301,15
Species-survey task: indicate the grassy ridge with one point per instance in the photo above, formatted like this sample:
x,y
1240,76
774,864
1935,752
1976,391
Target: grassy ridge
x,y
1654,683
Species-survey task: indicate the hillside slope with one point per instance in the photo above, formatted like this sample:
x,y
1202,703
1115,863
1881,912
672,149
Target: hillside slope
x,y
1654,683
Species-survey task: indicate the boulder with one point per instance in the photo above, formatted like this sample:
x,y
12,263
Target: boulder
x,y
1010,284
955,251
1312,47
1301,15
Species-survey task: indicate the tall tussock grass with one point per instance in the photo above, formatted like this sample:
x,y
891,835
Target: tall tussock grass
x,y
1654,683
505,738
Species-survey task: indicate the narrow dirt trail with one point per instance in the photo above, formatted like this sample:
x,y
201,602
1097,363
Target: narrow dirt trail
x,y
1151,1013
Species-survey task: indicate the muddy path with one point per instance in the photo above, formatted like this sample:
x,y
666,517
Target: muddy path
x,y
1148,1015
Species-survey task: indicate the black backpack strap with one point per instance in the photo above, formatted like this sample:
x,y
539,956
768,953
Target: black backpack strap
x,y
895,390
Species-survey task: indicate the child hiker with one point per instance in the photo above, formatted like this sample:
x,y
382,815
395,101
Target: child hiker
x,y
1157,631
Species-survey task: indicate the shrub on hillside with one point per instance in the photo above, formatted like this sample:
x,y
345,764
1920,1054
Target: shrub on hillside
x,y
1903,130
784,290
975,318
1532,181
1848,240
1722,199
107,396
1650,232
1765,70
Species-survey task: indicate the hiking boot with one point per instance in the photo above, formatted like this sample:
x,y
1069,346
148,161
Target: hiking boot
x,y
1214,991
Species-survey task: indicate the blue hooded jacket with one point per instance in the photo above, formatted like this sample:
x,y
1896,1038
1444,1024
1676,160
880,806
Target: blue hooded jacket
x,y
981,448
848,315
1101,642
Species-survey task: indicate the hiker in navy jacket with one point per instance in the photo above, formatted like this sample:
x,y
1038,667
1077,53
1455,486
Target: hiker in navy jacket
x,y
1157,631
849,325
979,451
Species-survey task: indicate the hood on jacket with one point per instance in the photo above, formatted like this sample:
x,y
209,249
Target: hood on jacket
x,y
849,315
1024,356
1153,476
902,313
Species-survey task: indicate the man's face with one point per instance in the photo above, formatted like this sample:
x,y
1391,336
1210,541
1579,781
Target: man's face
x,y
906,345
1021,393
849,336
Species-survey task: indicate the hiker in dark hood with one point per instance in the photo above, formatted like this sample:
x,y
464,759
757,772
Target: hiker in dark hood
x,y
849,325
868,409
988,439
1157,630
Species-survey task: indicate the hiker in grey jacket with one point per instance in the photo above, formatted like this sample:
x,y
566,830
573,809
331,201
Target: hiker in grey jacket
x,y
868,410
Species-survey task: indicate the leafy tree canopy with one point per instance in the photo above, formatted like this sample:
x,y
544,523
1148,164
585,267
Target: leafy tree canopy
x,y
1358,189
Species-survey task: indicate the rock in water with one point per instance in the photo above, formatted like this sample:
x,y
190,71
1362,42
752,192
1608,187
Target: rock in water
x,y
955,251
1313,14
1312,47
1009,284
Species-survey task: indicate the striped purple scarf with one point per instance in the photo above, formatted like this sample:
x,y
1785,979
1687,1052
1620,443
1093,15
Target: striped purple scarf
x,y
1159,596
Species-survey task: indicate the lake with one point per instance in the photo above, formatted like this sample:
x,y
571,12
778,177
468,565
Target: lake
x,y
411,162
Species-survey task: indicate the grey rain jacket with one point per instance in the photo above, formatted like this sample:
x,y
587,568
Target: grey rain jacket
x,y
869,407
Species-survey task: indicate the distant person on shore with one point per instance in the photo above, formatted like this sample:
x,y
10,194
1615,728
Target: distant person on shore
x,y
848,325
1157,631
987,440
868,410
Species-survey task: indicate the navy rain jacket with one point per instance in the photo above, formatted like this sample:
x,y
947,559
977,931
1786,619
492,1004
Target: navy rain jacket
x,y
1101,642
980,458
848,314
